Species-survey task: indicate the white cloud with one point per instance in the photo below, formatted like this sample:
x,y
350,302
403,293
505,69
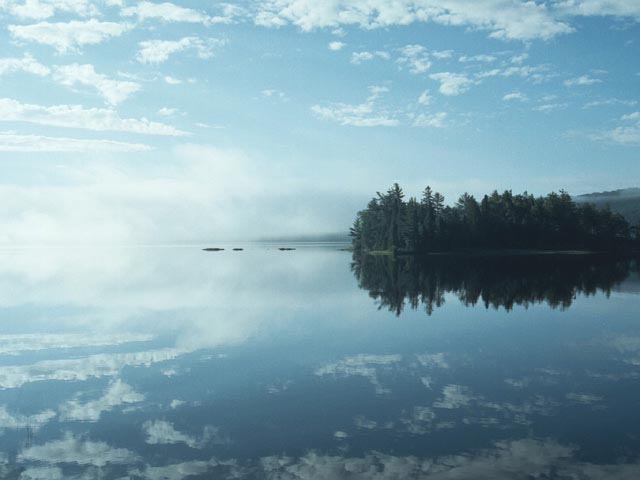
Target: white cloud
x,y
627,134
75,116
81,368
336,45
26,64
435,120
549,107
425,98
113,91
515,96
582,80
161,432
416,57
18,421
172,81
15,344
158,51
273,93
504,19
454,396
41,9
452,84
610,101
74,450
170,12
363,365
477,58
362,115
12,142
69,36
359,57
118,393
167,112
618,8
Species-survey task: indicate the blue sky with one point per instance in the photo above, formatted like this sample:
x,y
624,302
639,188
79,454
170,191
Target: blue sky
x,y
138,121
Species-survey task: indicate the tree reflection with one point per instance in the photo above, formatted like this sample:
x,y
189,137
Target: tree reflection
x,y
494,280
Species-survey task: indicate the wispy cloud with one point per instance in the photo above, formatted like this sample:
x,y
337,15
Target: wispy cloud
x,y
366,114
158,51
13,142
70,36
113,91
75,116
170,12
26,64
582,80
452,84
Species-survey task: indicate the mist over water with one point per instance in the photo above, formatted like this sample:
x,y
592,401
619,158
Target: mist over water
x,y
174,363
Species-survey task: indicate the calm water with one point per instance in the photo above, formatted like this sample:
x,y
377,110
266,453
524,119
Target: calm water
x,y
173,363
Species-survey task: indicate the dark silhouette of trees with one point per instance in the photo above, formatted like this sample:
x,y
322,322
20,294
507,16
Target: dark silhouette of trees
x,y
492,280
498,221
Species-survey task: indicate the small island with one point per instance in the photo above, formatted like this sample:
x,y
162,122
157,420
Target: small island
x,y
391,225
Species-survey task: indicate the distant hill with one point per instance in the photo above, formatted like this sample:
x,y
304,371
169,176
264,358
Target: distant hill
x,y
625,201
321,237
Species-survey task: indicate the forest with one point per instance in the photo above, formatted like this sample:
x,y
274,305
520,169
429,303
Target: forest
x,y
504,221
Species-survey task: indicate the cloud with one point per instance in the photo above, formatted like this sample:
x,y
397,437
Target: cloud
x,y
273,93
336,45
172,80
118,393
435,120
41,9
359,57
74,450
550,107
425,98
17,421
415,56
158,51
26,64
452,84
610,101
75,116
362,365
617,8
19,343
627,134
161,432
69,36
81,368
454,396
515,96
169,12
477,58
12,142
582,80
113,91
362,115
504,19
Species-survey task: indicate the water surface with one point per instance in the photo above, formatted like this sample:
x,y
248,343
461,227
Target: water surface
x,y
174,363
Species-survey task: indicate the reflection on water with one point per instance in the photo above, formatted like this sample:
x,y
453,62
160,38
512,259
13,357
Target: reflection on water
x,y
494,280
173,363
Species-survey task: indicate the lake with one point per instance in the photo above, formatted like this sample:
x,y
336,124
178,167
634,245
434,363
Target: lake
x,y
168,362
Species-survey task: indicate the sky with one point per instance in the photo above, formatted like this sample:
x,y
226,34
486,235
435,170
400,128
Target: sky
x,y
127,121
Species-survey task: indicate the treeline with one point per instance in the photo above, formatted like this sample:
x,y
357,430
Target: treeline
x,y
497,221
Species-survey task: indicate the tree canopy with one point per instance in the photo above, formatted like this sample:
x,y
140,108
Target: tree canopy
x,y
497,221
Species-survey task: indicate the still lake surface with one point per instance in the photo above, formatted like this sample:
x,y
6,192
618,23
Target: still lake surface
x,y
173,363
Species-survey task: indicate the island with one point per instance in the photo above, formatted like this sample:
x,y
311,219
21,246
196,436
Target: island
x,y
498,222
